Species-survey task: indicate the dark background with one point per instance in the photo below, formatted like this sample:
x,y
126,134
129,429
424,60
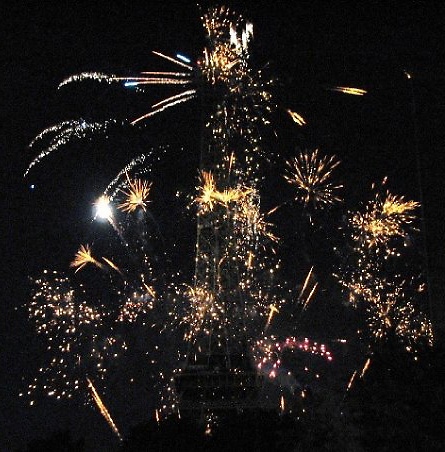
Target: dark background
x,y
310,47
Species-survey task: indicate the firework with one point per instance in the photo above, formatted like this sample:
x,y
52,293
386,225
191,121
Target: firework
x,y
349,90
311,174
84,257
103,208
389,298
235,293
297,118
103,409
384,218
63,133
136,195
210,196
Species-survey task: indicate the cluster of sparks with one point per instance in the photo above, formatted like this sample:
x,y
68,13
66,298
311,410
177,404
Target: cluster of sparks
x,y
311,174
384,218
379,234
234,294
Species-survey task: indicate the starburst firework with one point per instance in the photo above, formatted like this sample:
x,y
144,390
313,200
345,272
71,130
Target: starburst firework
x,y
312,174
136,195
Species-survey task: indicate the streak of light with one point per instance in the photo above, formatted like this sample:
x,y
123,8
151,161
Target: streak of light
x,y
173,60
272,311
112,265
365,367
150,290
349,90
306,281
297,118
351,380
164,107
176,96
308,299
103,409
183,58
84,257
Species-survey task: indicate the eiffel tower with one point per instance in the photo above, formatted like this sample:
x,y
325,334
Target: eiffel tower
x,y
219,374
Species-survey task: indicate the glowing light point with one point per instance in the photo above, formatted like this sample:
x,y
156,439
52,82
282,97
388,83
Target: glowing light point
x,y
103,208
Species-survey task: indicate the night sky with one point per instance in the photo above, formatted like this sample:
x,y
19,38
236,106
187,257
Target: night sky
x,y
309,46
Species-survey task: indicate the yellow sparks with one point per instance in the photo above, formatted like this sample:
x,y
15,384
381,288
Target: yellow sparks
x,y
349,90
157,417
137,195
306,281
204,306
84,257
282,404
351,380
210,195
272,311
311,174
297,118
103,409
250,214
365,367
308,299
384,218
112,265
150,290
250,258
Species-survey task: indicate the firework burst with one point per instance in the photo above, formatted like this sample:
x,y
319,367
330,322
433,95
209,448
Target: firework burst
x,y
84,257
311,174
376,276
136,195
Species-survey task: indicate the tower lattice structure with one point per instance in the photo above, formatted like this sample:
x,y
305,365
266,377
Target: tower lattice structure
x,y
219,373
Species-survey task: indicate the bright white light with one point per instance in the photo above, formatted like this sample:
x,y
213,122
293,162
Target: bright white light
x,y
183,58
103,208
130,83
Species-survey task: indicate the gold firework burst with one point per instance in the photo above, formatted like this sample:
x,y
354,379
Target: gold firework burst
x,y
136,195
311,174
84,257
210,195
384,218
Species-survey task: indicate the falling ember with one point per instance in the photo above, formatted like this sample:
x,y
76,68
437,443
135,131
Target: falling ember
x,y
272,311
306,281
297,118
282,404
150,290
103,409
308,299
351,380
365,367
349,90
112,265
84,257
